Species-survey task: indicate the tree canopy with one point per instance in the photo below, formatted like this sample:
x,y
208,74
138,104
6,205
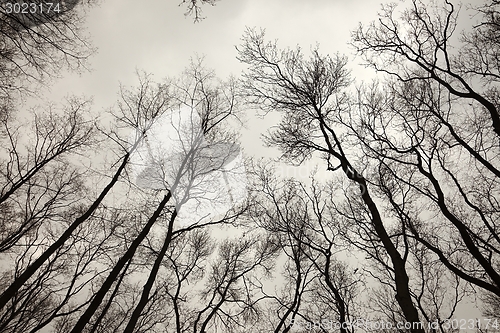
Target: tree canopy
x,y
152,218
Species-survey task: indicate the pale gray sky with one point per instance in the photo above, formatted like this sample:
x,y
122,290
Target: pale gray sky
x,y
155,36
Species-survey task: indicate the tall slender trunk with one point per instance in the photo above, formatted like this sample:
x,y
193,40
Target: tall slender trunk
x,y
338,298
110,300
12,290
403,295
151,279
99,296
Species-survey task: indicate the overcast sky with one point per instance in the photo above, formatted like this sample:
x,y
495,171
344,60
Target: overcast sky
x,y
157,37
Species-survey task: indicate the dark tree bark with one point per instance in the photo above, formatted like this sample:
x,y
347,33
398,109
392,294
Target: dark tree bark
x,y
99,296
31,270
309,94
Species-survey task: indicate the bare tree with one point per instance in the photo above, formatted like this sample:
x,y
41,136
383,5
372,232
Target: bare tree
x,y
229,298
187,261
51,145
216,105
193,7
422,166
310,95
37,46
422,51
308,235
491,307
40,39
54,136
201,147
60,287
